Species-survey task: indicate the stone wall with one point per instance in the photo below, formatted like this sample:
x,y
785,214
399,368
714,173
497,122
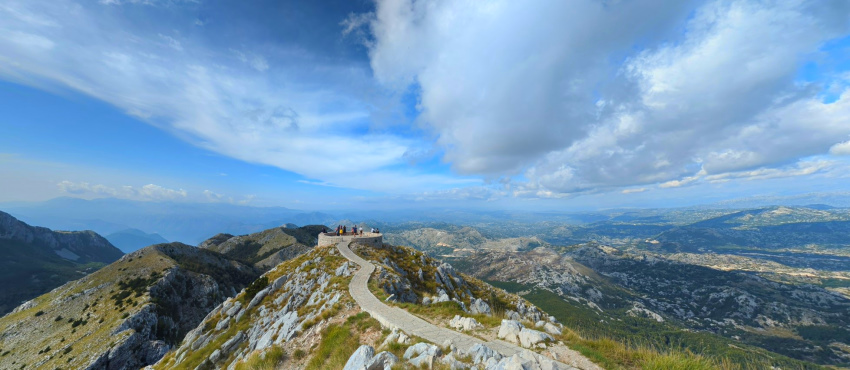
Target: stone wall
x,y
371,239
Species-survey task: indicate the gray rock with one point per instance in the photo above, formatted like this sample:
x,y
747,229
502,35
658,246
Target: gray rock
x,y
478,306
360,358
223,324
343,270
382,361
464,323
529,337
552,328
234,308
232,343
450,361
422,348
423,360
480,353
215,356
509,331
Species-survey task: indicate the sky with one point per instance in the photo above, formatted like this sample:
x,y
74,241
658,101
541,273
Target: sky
x,y
394,103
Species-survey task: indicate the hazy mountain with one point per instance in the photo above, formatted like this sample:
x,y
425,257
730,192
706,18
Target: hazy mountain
x,y
34,260
129,240
190,223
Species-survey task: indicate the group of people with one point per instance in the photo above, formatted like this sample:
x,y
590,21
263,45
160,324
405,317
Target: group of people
x,y
343,230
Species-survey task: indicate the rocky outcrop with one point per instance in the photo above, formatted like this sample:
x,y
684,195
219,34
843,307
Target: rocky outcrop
x,y
364,358
464,323
292,299
513,331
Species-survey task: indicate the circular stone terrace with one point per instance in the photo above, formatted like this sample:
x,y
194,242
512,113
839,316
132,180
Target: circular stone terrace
x,y
370,239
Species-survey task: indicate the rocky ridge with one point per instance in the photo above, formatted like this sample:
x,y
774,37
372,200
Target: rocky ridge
x,y
124,316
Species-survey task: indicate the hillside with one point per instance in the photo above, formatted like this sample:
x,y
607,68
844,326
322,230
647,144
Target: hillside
x,y
300,315
126,315
659,298
34,260
267,248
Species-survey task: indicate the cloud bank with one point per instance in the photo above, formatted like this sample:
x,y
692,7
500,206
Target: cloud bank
x,y
589,95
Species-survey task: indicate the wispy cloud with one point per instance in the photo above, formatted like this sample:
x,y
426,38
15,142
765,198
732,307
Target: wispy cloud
x,y
316,124
149,192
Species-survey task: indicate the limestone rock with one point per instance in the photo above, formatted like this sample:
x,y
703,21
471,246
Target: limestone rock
x,y
530,337
423,360
509,331
419,349
464,323
360,358
480,353
478,306
382,361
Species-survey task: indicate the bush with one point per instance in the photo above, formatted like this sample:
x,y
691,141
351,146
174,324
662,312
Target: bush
x,y
255,288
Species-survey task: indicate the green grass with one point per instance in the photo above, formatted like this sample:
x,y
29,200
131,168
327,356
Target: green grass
x,y
339,341
268,360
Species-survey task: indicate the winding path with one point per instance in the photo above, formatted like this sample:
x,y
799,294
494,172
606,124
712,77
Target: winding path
x,y
398,318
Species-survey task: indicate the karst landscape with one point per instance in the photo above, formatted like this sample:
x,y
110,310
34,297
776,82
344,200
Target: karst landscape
x,y
424,184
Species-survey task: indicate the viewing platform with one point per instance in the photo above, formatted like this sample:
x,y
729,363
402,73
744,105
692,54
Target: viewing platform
x,y
371,239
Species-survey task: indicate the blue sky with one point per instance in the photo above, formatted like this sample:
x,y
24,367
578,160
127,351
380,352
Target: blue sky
x,y
395,103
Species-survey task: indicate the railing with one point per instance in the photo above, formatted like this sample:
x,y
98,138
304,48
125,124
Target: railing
x,y
364,235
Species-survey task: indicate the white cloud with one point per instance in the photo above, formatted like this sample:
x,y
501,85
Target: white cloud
x,y
634,190
171,42
840,148
513,87
149,192
306,117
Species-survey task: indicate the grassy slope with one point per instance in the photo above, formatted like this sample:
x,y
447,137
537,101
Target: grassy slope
x,y
78,319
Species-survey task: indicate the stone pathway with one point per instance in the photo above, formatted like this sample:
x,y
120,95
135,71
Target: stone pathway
x,y
395,317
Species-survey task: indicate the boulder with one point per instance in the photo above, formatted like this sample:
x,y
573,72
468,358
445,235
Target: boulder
x,y
480,353
464,323
552,328
509,331
381,361
478,306
530,337
419,349
360,358
343,270
452,363
423,360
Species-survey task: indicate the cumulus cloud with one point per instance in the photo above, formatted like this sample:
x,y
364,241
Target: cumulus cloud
x,y
840,148
150,192
586,95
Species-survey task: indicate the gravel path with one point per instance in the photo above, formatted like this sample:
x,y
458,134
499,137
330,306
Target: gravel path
x,y
407,322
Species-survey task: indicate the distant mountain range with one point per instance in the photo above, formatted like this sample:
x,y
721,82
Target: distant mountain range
x,y
129,240
189,223
34,260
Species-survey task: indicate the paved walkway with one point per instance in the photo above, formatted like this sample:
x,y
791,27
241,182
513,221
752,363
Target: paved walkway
x,y
398,318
